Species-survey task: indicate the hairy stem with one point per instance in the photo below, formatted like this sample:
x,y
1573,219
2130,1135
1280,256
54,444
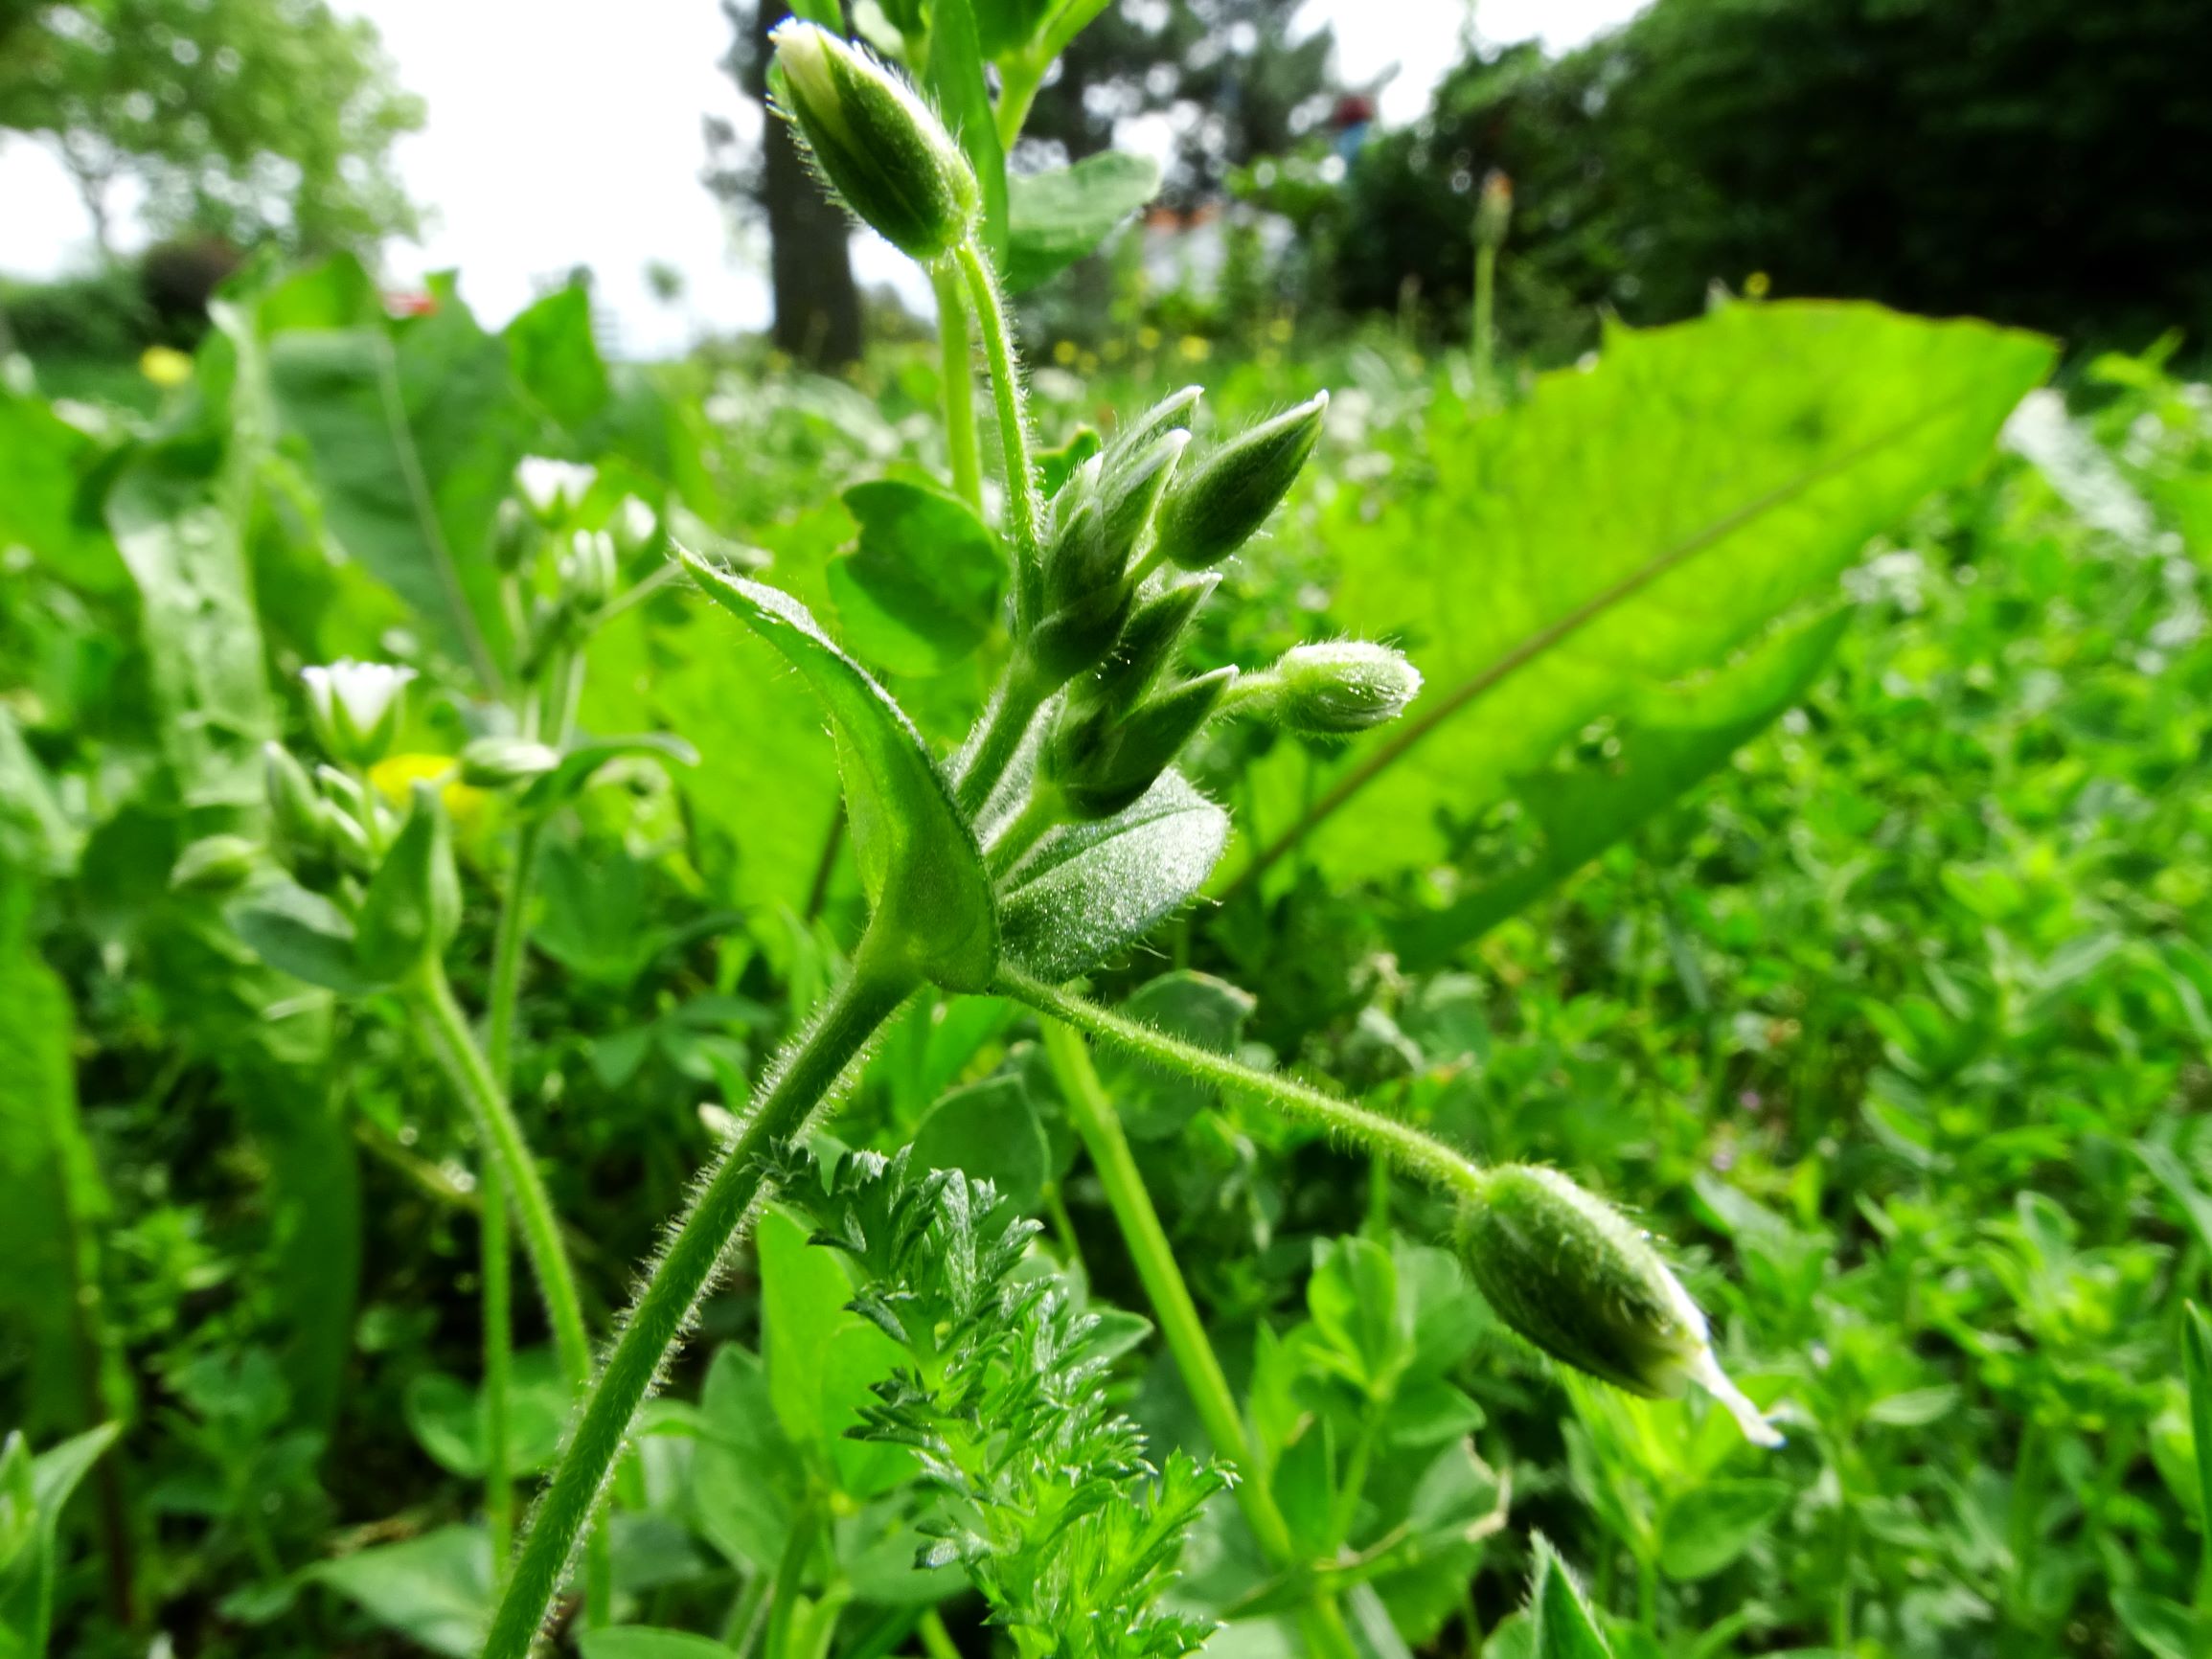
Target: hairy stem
x,y
1034,822
1005,723
1100,1128
1021,505
955,371
656,1321
1410,1148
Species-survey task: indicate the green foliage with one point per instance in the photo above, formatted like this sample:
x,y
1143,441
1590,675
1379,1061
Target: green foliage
x,y
33,1492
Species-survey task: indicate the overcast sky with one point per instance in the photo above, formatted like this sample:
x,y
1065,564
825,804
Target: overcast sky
x,y
562,135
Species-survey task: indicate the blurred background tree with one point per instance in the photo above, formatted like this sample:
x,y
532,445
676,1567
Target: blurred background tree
x,y
251,121
2028,160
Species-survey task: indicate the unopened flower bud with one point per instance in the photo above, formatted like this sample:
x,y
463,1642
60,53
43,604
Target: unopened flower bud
x,y
1086,597
1568,1272
1170,414
295,808
877,144
1214,507
1335,689
514,535
1148,648
588,568
355,708
506,763
213,864
1103,759
1494,210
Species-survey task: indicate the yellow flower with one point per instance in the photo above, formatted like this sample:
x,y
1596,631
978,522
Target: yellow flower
x,y
1064,352
1087,363
1148,338
397,775
1756,284
164,366
1279,330
1194,348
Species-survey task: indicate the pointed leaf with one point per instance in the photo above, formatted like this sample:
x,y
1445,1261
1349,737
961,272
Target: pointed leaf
x,y
436,1590
1056,217
1565,1629
303,933
917,857
1093,889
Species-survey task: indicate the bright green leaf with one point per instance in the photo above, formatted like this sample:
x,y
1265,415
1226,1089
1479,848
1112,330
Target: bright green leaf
x,y
920,589
1566,1628
1059,215
434,1589
640,1642
1708,1527
990,1131
954,77
555,358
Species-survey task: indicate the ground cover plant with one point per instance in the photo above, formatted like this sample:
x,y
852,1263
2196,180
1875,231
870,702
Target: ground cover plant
x,y
1079,1016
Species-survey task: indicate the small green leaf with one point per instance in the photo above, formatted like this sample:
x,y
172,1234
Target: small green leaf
x,y
413,904
918,856
641,1642
1710,1526
447,1417
567,779
824,1360
32,1494
745,1477
2166,1629
1059,215
303,933
1565,1629
555,358
990,1131
1091,889
920,589
1211,1013
1055,466
1352,1297
434,1589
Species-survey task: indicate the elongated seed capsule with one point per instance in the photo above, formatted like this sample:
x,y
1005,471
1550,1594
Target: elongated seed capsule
x,y
1569,1273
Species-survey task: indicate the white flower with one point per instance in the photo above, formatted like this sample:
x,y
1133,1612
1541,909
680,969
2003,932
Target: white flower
x,y
633,523
553,486
355,707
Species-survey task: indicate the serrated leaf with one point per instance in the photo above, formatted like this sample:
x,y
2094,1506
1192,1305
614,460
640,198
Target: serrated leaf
x,y
1091,889
1566,1628
1628,525
917,857
1056,217
920,589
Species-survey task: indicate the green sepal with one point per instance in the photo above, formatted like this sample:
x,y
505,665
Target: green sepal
x,y
411,908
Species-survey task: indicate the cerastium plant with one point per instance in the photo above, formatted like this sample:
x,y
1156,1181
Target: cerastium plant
x,y
1059,833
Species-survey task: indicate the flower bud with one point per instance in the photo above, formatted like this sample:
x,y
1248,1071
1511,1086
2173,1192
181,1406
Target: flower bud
x,y
1494,210
1214,508
588,568
355,708
506,763
878,147
213,864
1335,689
1087,594
1566,1271
514,535
1149,642
1103,759
554,489
296,810
1170,414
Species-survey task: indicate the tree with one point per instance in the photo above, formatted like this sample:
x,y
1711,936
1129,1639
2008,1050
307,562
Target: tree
x,y
252,120
1229,72
817,317
2020,159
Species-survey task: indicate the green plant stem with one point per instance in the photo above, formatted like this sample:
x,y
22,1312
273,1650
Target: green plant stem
x,y
487,1105
1034,822
664,1308
1410,1148
954,370
1485,342
1005,724
1100,1128
1021,507
936,1640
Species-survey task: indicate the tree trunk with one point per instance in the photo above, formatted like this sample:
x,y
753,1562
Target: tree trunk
x,y
817,302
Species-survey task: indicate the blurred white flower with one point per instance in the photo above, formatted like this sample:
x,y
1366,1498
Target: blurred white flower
x,y
355,707
553,486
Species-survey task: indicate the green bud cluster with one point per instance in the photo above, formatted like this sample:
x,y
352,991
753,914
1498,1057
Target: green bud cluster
x,y
878,147
1099,518
1568,1273
1217,506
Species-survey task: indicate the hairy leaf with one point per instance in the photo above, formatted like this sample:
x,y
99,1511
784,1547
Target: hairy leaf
x,y
1566,1628
1093,889
918,856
